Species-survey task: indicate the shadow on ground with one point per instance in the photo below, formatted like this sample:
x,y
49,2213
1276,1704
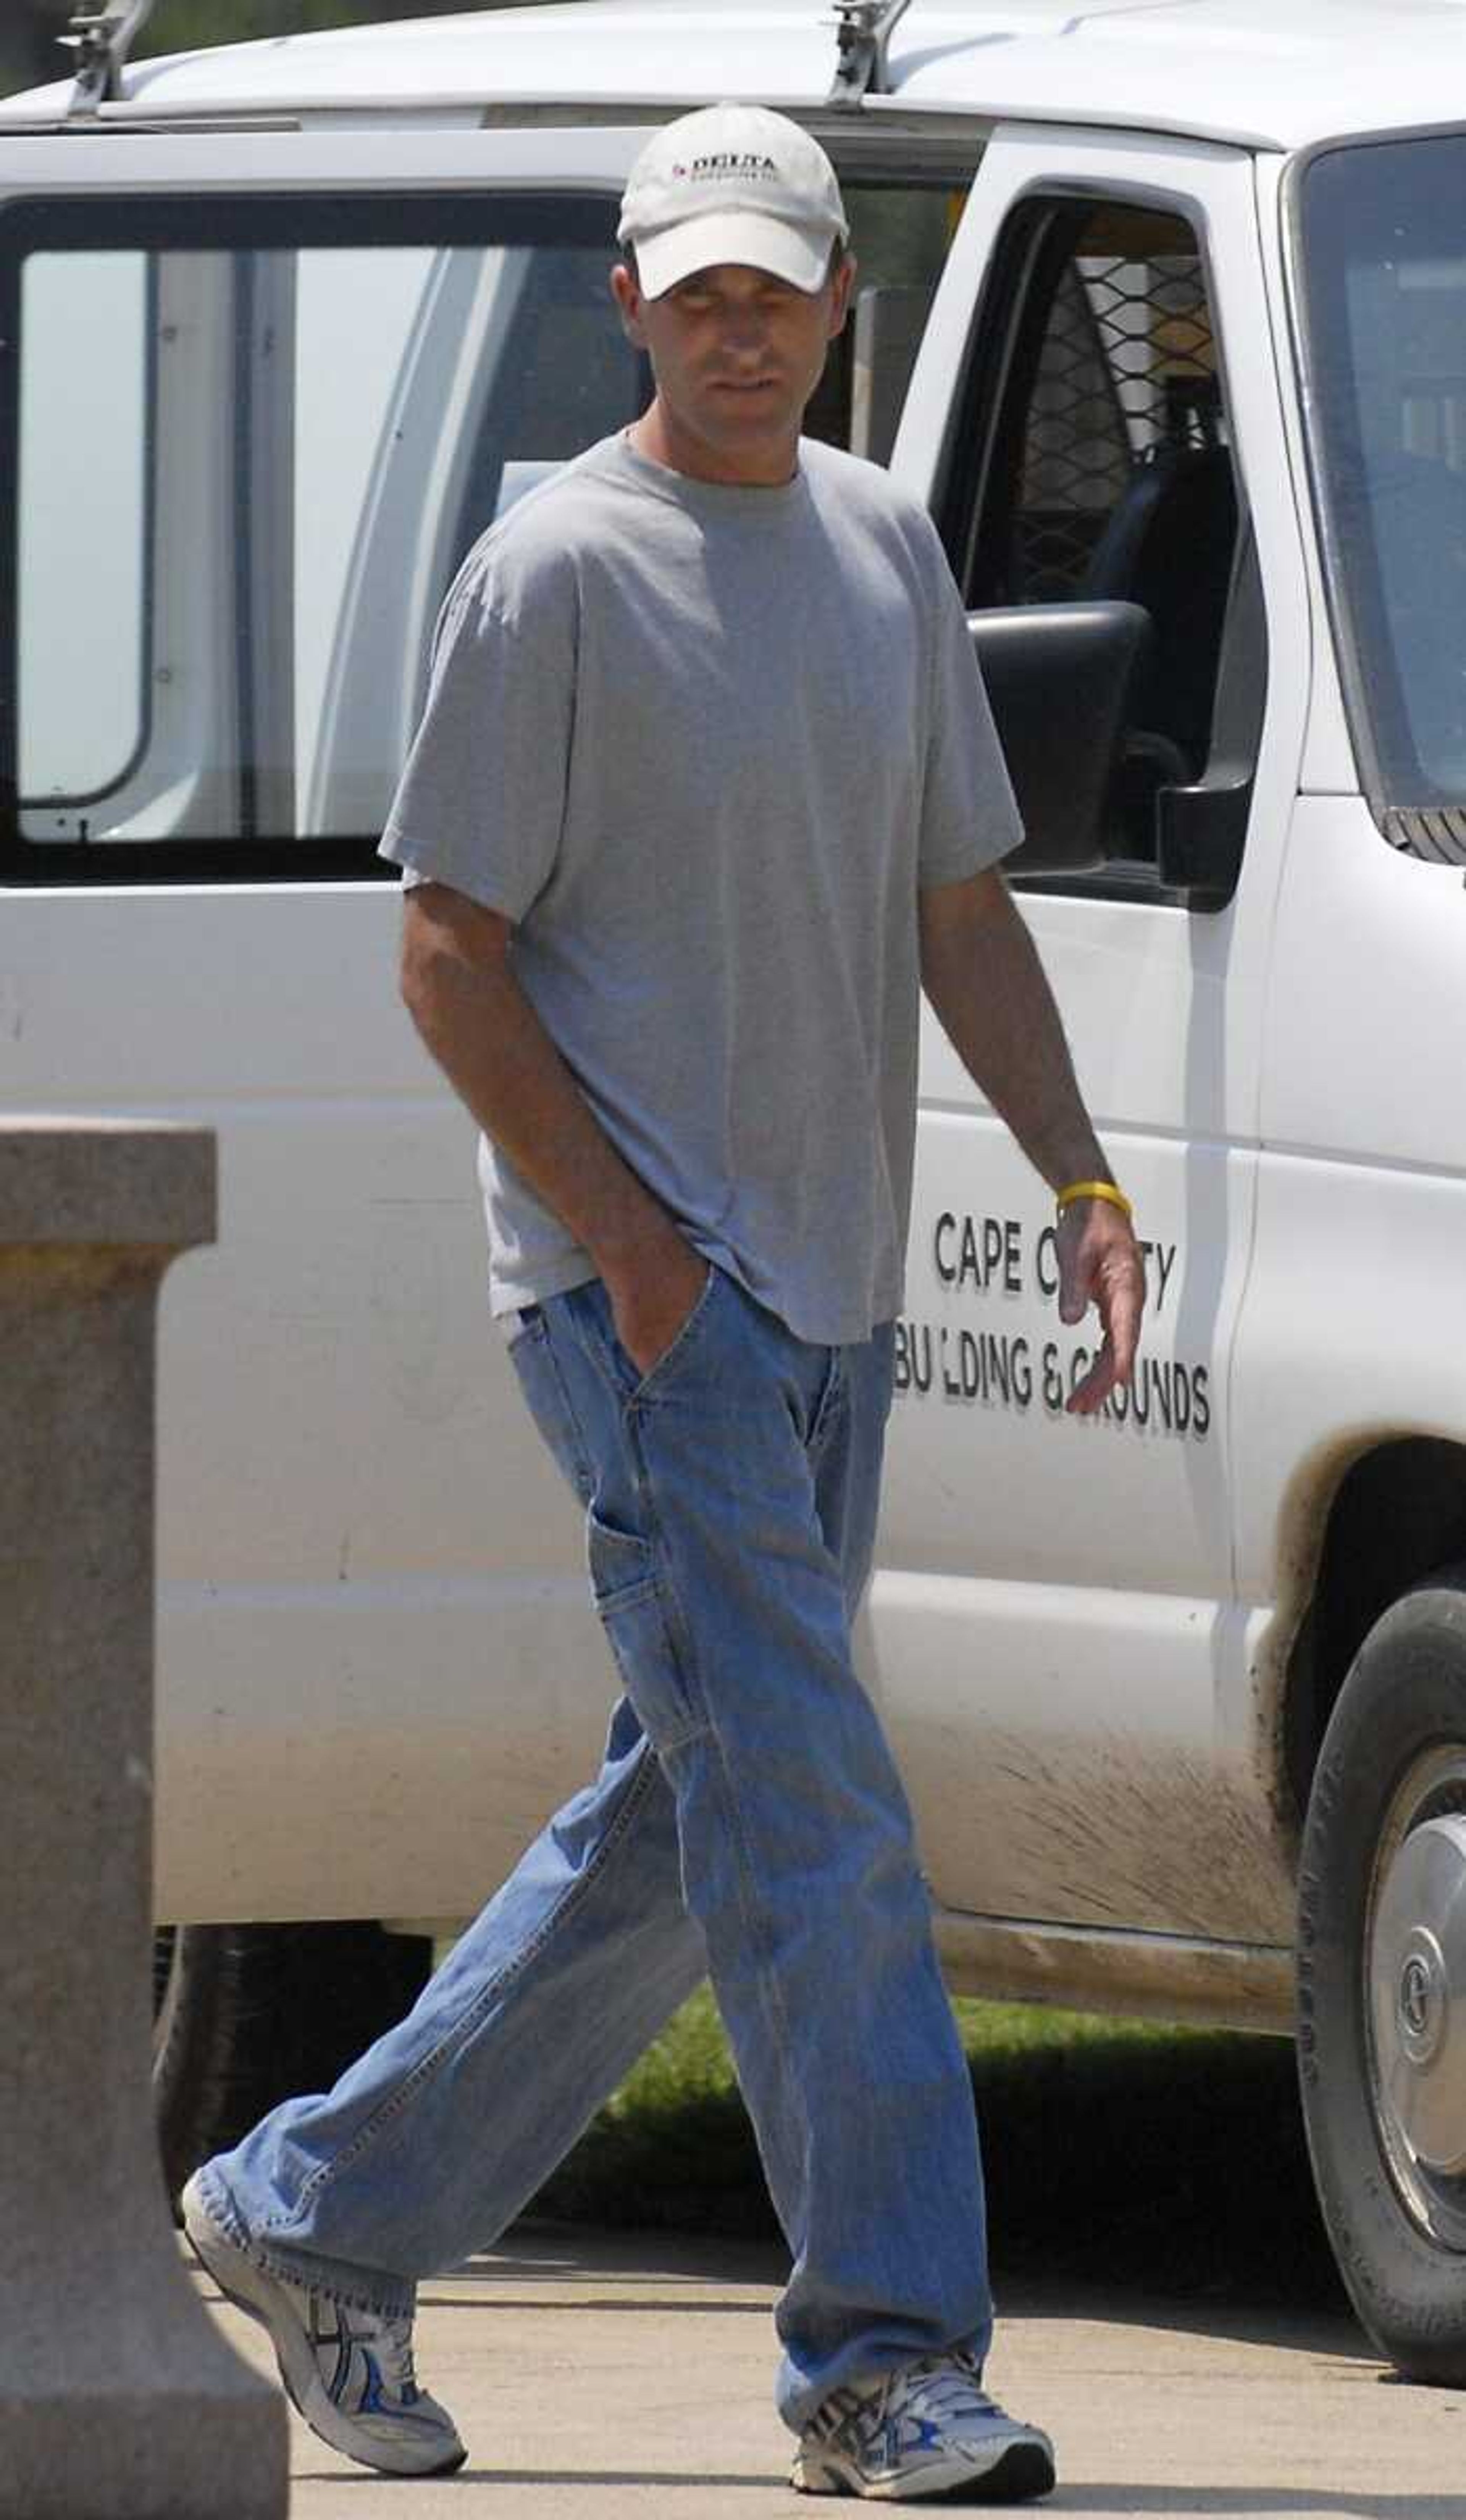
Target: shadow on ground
x,y
1138,2164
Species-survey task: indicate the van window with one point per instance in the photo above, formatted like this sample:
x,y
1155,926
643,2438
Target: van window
x,y
83,429
251,443
250,447
1095,464
1383,262
899,234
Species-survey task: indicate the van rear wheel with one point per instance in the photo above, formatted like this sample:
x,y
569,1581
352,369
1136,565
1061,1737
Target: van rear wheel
x,y
1382,1981
247,2015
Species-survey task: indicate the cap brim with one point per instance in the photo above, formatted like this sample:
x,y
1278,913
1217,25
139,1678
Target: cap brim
x,y
798,254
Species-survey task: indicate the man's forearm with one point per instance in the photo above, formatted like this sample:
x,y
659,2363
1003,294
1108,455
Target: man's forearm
x,y
994,1004
460,990
495,1052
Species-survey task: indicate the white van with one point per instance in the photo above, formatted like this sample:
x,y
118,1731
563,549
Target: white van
x,y
1162,309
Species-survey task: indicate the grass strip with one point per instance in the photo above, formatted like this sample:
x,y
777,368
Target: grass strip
x,y
1122,2150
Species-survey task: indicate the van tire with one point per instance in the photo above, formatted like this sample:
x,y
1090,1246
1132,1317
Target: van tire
x,y
1376,2014
247,2015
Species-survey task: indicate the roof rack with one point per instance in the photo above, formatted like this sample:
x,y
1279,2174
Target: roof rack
x,y
102,39
863,32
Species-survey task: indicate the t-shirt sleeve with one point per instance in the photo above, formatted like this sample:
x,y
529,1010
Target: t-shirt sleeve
x,y
480,803
969,817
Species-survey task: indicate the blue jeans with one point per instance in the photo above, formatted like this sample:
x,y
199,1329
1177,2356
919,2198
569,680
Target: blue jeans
x,y
748,1822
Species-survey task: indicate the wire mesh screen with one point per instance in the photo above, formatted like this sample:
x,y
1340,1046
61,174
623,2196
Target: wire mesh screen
x,y
1127,373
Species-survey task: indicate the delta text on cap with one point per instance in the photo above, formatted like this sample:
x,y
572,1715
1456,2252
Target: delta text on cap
x,y
733,183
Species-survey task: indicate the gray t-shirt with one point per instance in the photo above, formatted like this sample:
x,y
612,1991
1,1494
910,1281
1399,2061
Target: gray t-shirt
x,y
702,744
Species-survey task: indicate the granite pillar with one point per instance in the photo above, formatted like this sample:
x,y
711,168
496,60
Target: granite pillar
x,y
118,2398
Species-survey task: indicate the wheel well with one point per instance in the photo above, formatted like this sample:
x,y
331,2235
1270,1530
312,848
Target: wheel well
x,y
1398,1513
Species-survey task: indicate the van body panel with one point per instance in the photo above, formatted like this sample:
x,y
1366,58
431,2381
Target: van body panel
x,y
377,1667
1352,1335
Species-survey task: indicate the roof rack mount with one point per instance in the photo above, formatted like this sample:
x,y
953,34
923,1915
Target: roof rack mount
x,y
102,39
863,32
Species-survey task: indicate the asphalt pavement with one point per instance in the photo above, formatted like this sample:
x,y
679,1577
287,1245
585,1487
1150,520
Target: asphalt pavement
x,y
596,2377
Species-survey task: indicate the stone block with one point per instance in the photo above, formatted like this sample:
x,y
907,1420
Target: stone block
x,y
119,2400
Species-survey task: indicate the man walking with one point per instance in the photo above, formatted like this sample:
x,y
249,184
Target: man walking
x,y
704,790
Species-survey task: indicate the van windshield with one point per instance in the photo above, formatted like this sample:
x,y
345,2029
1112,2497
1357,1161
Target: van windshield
x,y
1383,237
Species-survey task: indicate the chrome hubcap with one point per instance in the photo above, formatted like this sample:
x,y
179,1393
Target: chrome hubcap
x,y
1416,1986
1423,1995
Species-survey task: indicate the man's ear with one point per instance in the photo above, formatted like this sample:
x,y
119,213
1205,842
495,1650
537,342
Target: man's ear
x,y
629,299
840,298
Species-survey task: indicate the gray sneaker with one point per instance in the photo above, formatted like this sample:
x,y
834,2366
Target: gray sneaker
x,y
926,2433
349,2372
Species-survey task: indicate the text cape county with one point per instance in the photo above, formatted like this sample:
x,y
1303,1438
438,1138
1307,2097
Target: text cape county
x,y
955,1363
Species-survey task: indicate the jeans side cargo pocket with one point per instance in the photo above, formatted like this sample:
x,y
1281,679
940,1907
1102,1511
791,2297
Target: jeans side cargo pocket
x,y
629,1596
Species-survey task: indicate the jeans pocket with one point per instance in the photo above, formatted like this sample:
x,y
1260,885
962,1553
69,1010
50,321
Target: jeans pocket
x,y
593,1306
674,1358
532,1357
631,1598
623,1565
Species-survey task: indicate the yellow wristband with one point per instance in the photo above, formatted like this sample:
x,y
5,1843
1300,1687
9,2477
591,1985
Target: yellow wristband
x,y
1065,1197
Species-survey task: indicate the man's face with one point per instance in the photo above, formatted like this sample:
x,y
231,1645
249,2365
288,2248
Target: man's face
x,y
736,354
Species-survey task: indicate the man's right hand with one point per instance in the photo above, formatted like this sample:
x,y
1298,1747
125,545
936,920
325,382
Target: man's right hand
x,y
653,1295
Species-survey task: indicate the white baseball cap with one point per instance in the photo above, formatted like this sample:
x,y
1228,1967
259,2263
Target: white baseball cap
x,y
732,184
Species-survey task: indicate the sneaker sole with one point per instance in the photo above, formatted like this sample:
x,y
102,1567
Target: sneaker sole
x,y
1021,2473
258,2296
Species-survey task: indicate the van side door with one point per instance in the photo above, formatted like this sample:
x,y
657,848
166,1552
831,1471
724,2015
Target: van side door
x,y
1060,1646
226,360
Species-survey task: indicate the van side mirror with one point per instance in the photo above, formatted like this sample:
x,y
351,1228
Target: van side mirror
x,y
1201,833
1201,828
1058,679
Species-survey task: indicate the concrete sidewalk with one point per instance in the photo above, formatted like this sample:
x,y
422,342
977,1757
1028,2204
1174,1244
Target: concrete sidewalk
x,y
600,2376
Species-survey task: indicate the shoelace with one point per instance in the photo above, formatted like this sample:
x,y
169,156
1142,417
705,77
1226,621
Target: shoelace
x,y
941,2384
390,2340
